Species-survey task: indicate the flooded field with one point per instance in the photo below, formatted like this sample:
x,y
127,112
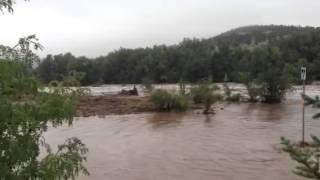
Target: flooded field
x,y
236,87
240,142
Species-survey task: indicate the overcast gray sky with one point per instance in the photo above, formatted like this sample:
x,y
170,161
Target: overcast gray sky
x,y
96,27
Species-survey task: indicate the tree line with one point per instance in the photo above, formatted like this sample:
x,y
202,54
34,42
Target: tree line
x,y
249,50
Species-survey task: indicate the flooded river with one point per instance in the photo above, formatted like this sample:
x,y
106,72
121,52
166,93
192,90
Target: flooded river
x,y
240,142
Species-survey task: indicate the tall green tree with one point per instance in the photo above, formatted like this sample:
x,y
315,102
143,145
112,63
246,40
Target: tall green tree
x,y
26,112
268,72
285,47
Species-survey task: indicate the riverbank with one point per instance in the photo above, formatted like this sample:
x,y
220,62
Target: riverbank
x,y
113,104
103,105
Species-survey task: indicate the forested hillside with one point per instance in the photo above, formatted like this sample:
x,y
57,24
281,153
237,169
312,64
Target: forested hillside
x,y
247,50
253,34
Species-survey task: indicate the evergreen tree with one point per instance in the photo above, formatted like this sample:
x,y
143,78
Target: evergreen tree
x,y
306,156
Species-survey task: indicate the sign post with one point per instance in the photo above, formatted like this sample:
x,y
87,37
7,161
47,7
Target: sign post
x,y
303,78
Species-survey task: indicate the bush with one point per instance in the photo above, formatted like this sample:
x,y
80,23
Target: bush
x,y
204,94
167,101
182,87
253,91
209,100
228,94
200,92
253,87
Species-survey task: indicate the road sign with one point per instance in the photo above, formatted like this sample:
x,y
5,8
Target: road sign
x,y
303,73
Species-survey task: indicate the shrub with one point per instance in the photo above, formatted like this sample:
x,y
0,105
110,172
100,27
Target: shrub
x,y
182,87
253,91
228,94
252,86
200,92
167,101
209,100
204,94
274,85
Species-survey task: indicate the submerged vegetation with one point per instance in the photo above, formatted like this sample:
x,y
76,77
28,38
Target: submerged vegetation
x,y
204,93
271,63
168,101
200,91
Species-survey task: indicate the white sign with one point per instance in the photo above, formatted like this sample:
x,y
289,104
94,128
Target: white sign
x,y
303,73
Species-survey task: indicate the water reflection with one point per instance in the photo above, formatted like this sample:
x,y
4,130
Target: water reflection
x,y
239,142
271,112
208,119
170,119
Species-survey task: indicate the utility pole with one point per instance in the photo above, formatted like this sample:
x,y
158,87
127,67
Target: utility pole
x,y
303,78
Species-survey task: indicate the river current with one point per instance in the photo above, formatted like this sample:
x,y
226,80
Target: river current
x,y
239,142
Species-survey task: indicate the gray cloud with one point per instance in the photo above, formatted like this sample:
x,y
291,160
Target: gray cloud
x,y
96,27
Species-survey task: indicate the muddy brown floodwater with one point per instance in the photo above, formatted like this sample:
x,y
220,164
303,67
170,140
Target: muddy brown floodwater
x,y
240,142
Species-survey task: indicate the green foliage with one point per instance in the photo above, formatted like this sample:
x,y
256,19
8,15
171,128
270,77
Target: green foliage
x,y
167,101
228,94
26,111
209,100
247,49
182,87
25,114
315,102
253,89
306,155
267,76
60,66
272,80
73,79
203,93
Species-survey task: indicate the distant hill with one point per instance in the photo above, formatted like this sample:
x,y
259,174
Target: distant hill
x,y
257,33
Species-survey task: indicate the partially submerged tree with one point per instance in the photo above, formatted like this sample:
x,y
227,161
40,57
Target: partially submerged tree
x,y
168,101
252,87
306,156
182,87
266,77
204,93
26,111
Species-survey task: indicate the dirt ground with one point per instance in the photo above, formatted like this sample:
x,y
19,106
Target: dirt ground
x,y
113,104
116,104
